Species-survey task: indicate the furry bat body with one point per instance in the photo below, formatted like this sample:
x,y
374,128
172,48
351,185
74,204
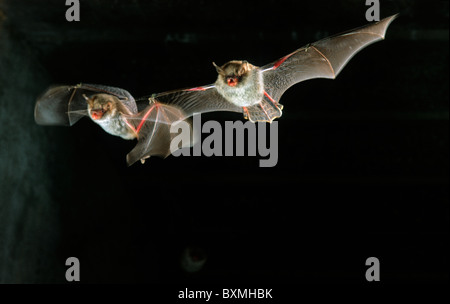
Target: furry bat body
x,y
116,111
256,91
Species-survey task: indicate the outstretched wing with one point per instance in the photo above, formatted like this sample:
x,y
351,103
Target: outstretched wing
x,y
153,129
197,100
322,59
65,105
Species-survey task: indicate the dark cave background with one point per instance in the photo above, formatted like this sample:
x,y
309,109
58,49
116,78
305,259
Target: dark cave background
x,y
362,168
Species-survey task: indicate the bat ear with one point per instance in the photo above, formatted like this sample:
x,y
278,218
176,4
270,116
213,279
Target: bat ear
x,y
218,69
244,67
88,100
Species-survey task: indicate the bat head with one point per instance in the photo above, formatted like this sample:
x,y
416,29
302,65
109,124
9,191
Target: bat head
x,y
234,72
102,106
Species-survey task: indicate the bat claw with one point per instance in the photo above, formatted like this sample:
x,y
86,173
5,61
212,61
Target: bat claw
x,y
143,159
245,112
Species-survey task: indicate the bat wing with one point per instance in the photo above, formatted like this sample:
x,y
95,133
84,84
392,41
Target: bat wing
x,y
65,105
322,59
197,100
153,129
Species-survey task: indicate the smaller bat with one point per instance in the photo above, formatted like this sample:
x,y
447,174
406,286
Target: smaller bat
x,y
256,91
116,111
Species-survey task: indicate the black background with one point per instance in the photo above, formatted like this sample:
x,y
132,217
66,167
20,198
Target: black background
x,y
362,168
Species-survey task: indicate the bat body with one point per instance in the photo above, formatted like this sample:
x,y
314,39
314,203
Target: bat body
x,y
240,83
108,111
116,111
256,91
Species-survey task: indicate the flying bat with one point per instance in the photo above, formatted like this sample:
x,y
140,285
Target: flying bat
x,y
116,111
240,87
256,91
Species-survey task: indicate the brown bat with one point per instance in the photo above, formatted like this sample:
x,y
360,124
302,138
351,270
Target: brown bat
x,y
116,111
256,91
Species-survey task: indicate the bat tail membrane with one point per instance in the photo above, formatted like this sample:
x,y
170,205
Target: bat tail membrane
x,y
337,50
156,128
267,110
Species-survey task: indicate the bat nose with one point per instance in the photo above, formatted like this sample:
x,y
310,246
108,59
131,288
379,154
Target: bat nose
x,y
232,81
97,114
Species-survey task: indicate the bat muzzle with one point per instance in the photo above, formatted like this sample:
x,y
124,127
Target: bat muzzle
x,y
232,81
97,113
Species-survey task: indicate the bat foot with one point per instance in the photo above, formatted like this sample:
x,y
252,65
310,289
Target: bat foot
x,y
143,159
245,112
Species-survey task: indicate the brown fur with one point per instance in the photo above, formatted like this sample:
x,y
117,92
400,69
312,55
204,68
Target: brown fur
x,y
111,121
